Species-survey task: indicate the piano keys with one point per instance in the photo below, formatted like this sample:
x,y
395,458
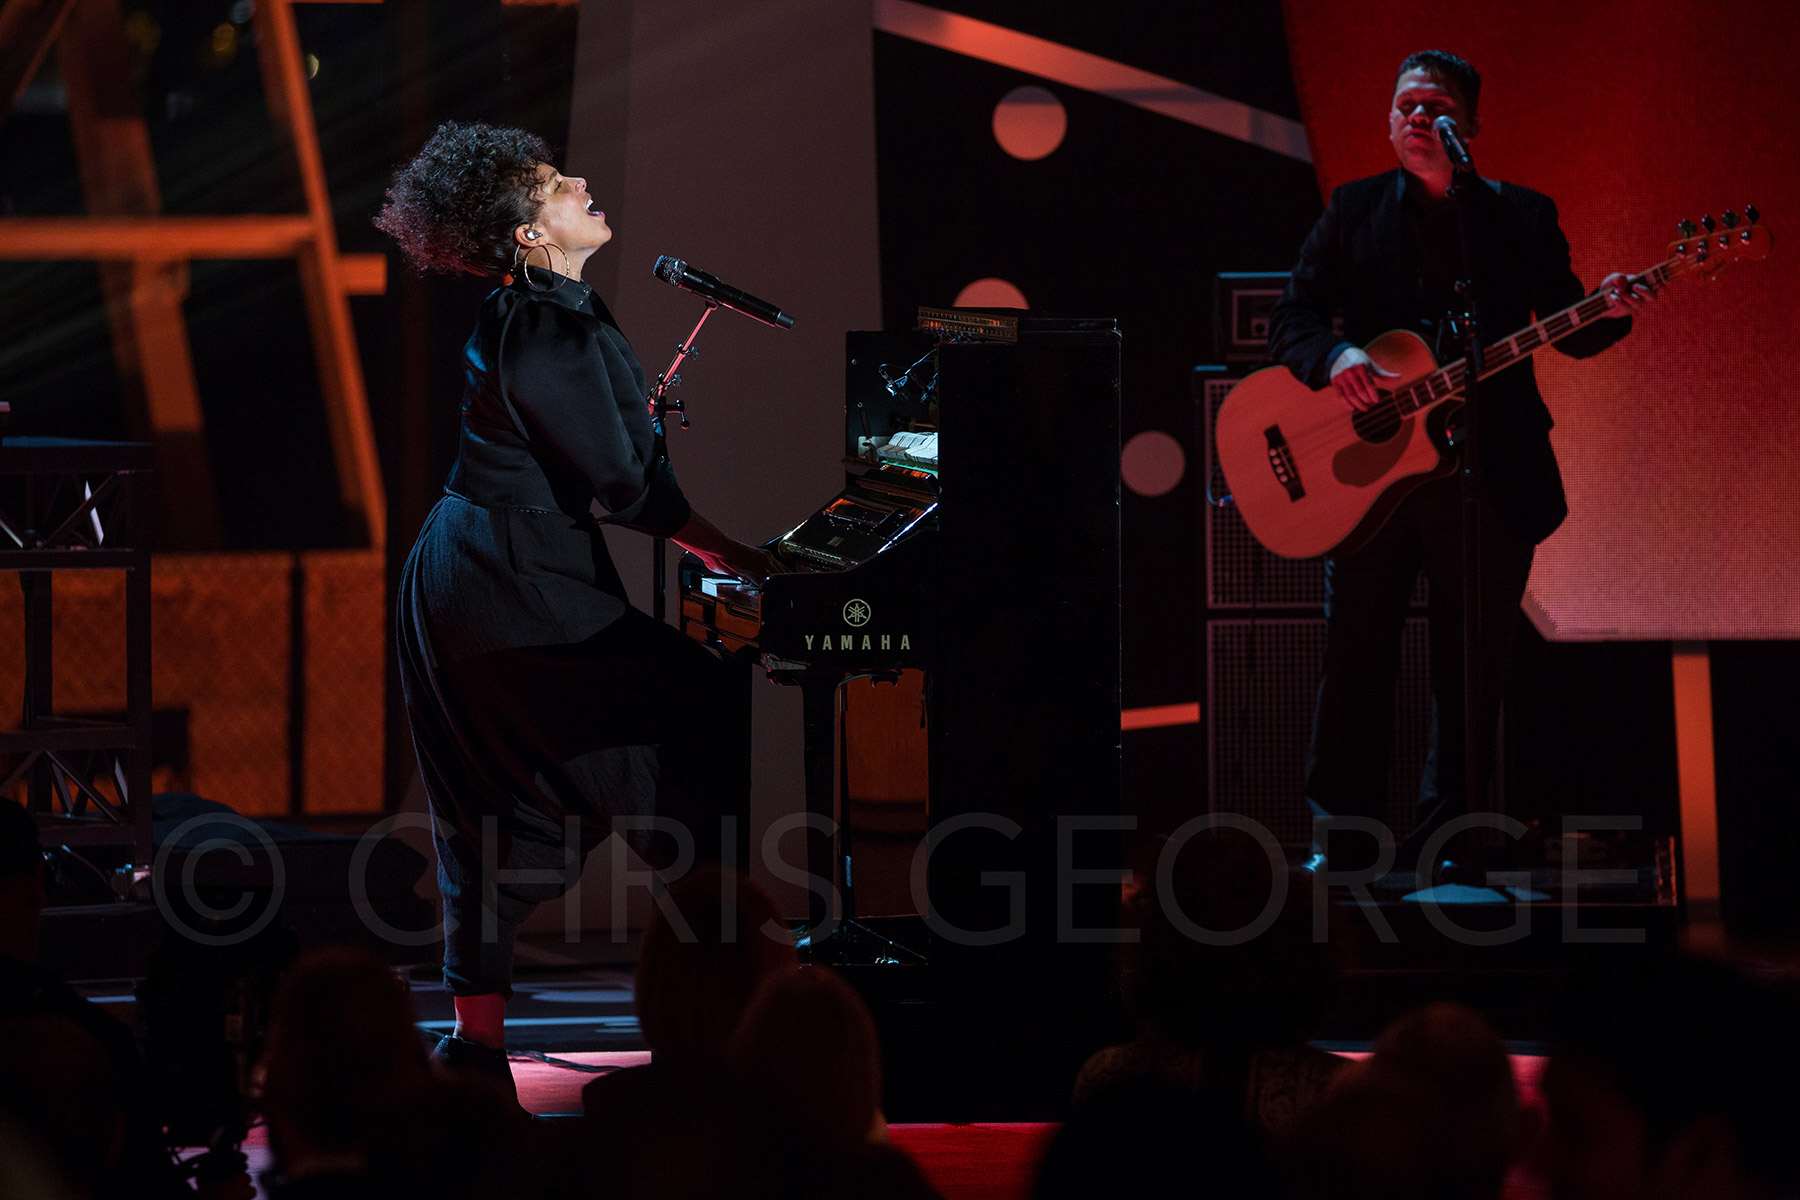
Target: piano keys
x,y
874,537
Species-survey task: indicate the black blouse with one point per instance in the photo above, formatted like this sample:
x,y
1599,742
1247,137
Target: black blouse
x,y
556,441
554,416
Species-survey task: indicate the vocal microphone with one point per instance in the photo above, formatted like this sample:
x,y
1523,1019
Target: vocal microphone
x,y
1453,143
673,270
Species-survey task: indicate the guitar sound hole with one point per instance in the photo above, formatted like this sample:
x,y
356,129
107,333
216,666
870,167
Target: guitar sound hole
x,y
1378,424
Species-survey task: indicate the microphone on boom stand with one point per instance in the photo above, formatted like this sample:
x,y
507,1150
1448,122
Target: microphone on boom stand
x,y
709,287
1454,146
717,294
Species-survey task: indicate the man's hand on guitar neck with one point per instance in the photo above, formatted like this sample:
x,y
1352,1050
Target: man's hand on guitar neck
x,y
1353,376
1356,377
1625,294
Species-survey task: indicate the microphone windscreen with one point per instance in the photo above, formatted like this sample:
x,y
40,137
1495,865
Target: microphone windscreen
x,y
669,270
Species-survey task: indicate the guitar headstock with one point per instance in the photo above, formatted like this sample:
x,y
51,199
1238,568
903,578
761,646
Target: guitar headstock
x,y
1710,247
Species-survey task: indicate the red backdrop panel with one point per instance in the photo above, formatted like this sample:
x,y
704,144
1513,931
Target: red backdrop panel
x,y
1680,446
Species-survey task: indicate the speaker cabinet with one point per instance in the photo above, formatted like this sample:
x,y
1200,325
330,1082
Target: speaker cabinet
x,y
1239,572
1262,675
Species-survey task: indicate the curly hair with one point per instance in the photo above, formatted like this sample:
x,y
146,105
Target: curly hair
x,y
455,205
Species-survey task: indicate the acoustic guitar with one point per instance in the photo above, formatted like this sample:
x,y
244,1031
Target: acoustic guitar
x,y
1312,475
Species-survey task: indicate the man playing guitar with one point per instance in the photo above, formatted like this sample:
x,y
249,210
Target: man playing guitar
x,y
1386,255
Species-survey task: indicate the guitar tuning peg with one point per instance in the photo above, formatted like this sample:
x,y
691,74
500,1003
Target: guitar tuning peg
x,y
1686,227
1750,213
1707,223
1731,219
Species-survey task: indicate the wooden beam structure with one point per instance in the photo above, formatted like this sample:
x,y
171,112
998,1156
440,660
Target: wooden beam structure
x,y
149,239
177,239
363,274
327,305
28,28
1692,667
153,358
144,254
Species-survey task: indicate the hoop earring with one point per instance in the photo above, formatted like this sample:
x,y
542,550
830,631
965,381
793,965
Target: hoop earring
x,y
522,263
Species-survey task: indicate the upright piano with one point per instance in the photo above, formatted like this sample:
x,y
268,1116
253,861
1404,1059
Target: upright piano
x,y
976,539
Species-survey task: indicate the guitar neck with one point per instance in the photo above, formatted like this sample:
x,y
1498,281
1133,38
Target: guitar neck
x,y
1448,382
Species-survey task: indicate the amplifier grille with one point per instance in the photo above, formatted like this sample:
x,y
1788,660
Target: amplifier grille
x,y
1261,679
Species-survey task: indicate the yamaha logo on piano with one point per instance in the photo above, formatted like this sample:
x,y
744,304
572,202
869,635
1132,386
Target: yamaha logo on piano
x,y
857,641
857,613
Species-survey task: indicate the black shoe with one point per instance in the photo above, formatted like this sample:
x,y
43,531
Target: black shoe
x,y
460,1054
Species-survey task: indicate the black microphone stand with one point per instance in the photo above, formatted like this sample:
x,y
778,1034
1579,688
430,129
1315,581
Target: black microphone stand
x,y
658,400
1462,191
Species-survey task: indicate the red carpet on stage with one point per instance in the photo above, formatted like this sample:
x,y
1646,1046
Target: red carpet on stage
x,y
963,1162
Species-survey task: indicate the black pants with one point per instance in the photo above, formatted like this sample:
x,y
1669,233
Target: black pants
x,y
637,722
1366,600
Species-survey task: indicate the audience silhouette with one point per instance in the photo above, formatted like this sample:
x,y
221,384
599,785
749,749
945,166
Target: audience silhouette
x,y
1225,983
1432,1114
139,1166
354,1108
807,1052
1672,1078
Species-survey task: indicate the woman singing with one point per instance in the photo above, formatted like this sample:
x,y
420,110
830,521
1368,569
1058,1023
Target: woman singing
x,y
545,710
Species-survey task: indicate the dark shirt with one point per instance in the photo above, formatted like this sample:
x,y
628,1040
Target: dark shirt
x,y
1385,260
554,415
556,442
1434,258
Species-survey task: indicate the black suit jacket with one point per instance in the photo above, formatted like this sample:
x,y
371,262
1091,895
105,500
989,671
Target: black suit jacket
x,y
1361,261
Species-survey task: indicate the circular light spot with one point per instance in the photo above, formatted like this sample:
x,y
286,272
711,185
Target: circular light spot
x,y
1153,463
1029,122
990,293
